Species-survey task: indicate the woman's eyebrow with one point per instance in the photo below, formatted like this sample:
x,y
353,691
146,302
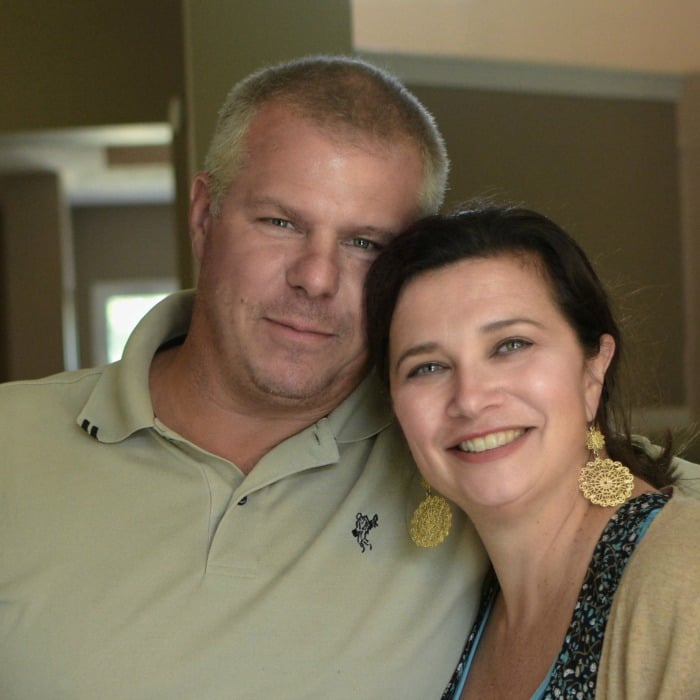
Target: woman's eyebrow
x,y
415,350
506,322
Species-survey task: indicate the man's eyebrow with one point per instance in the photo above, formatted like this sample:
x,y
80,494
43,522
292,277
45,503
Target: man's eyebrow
x,y
272,202
283,211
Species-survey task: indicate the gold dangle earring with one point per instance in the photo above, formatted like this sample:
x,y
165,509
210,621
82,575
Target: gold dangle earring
x,y
432,519
602,481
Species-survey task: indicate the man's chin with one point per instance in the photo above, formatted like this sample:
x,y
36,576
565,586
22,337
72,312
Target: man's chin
x,y
306,388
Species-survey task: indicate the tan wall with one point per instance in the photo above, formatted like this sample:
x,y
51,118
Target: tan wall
x,y
624,34
689,165
32,224
604,169
88,62
226,40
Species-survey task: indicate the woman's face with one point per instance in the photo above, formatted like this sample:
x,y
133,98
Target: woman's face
x,y
490,383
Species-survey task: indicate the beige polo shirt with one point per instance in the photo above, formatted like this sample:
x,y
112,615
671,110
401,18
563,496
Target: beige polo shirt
x,y
135,565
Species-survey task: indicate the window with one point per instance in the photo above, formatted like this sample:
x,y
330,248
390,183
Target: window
x,y
117,307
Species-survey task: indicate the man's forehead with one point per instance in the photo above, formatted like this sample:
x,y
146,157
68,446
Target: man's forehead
x,y
280,113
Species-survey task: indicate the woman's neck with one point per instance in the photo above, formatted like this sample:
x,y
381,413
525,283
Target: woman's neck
x,y
540,551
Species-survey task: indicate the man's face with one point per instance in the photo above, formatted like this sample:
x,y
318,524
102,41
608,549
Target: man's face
x,y
279,312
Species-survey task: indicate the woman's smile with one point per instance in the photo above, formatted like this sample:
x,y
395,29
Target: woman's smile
x,y
490,440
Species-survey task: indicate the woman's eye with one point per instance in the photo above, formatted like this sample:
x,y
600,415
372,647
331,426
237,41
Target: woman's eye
x,y
512,345
425,369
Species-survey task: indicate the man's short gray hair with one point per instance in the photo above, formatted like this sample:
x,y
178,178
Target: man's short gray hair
x,y
337,93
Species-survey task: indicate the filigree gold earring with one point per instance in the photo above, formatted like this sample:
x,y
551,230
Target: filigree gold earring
x,y
432,519
604,482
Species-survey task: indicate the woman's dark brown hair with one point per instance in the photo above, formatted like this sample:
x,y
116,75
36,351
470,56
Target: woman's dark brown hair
x,y
491,231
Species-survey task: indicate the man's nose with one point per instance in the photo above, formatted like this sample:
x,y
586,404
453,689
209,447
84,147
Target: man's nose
x,y
315,269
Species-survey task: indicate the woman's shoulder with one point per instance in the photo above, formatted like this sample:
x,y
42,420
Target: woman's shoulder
x,y
669,552
681,509
651,643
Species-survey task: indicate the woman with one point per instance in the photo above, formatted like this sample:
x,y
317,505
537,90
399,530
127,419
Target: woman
x,y
501,352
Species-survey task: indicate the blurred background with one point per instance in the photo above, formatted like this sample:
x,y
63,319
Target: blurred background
x,y
586,111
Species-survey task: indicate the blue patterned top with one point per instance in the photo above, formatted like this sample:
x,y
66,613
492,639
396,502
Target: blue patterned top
x,y
575,670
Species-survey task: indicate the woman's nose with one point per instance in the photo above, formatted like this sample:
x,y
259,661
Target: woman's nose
x,y
474,390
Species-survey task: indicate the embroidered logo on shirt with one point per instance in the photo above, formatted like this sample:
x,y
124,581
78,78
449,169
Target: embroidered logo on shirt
x,y
363,525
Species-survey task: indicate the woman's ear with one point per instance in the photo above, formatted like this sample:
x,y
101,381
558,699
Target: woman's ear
x,y
594,374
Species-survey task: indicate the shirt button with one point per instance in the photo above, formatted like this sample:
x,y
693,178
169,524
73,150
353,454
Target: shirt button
x,y
243,501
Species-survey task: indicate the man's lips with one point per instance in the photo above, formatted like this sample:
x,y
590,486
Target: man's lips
x,y
301,328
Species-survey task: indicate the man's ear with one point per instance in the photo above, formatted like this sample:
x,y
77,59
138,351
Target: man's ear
x,y
596,367
200,214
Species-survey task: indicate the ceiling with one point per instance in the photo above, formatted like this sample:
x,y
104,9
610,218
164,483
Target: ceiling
x,y
124,164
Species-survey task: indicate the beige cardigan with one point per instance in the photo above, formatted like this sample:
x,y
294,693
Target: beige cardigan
x,y
651,649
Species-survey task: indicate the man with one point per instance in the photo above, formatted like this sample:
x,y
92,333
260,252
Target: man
x,y
223,513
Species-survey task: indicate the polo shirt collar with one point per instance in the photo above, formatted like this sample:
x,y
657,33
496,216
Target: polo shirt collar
x,y
120,403
364,413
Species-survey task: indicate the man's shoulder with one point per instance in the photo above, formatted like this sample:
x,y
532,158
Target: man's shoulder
x,y
687,474
24,398
688,477
52,381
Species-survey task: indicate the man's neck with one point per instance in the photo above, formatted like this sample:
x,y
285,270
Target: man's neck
x,y
236,431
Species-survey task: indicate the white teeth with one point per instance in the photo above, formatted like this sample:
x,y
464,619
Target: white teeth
x,y
488,442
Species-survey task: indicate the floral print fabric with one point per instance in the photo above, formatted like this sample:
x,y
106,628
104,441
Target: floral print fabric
x,y
575,670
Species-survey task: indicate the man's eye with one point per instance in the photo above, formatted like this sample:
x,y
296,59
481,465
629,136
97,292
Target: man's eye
x,y
425,369
280,223
365,244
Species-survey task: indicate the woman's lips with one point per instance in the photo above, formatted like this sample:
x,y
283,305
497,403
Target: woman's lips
x,y
490,441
